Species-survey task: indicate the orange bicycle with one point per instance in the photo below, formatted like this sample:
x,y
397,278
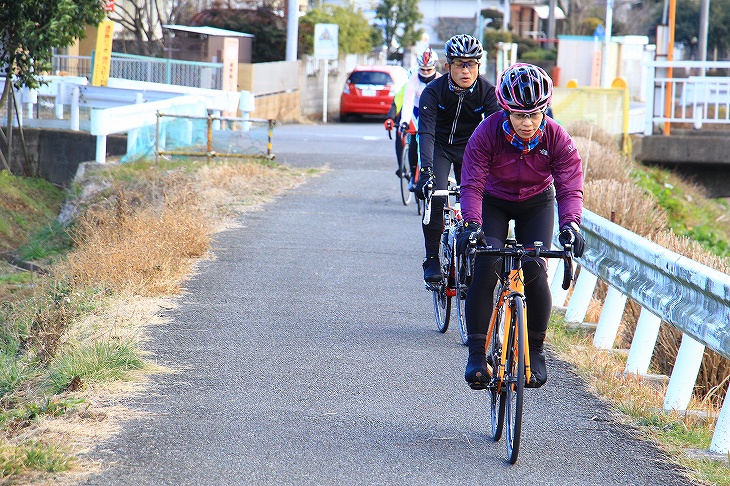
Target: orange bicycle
x,y
507,347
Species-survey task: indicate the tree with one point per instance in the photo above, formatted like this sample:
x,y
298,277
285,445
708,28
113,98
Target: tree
x,y
142,20
399,19
354,35
30,30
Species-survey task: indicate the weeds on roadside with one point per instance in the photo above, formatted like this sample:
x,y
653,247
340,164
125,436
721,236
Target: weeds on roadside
x,y
641,402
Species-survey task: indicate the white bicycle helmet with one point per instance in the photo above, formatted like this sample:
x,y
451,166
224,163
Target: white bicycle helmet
x,y
464,46
523,88
427,59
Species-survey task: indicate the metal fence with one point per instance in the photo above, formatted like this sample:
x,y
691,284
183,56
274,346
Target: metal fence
x,y
150,69
686,99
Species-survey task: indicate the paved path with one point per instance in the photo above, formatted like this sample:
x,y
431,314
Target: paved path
x,y
308,356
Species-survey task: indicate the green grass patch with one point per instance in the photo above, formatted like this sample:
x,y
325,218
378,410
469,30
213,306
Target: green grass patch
x,y
99,362
33,456
53,239
690,213
26,205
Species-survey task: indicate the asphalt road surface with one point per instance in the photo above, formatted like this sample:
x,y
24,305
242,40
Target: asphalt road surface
x,y
308,355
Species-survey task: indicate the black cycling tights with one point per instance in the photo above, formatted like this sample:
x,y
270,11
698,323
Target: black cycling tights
x,y
534,219
443,158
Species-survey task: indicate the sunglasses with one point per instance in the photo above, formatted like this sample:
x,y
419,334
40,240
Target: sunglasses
x,y
464,64
535,115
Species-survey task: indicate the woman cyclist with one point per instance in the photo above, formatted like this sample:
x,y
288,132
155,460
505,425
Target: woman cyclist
x,y
409,105
450,109
516,165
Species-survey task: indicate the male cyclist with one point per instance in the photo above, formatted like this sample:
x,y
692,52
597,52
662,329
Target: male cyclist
x,y
517,164
393,120
409,104
450,109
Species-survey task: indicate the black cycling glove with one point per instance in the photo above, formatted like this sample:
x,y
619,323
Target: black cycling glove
x,y
462,239
425,183
570,236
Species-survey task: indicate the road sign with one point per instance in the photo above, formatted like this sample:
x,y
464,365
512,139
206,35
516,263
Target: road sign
x,y
325,41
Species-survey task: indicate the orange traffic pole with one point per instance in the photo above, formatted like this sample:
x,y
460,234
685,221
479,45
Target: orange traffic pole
x,y
668,95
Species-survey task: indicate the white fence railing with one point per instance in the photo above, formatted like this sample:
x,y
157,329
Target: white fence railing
x,y
150,69
687,295
694,99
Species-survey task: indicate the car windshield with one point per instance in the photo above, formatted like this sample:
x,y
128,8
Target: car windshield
x,y
370,77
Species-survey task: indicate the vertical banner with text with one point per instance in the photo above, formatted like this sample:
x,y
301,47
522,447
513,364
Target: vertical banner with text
x,y
103,54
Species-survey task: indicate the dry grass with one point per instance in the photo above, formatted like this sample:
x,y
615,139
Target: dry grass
x,y
626,205
601,162
138,232
145,252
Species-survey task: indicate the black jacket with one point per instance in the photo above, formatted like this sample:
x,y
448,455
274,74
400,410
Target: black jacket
x,y
447,118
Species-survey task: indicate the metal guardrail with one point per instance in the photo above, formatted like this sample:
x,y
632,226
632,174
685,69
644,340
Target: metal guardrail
x,y
689,296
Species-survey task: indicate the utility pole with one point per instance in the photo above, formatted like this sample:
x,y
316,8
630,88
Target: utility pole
x,y
292,30
551,25
607,44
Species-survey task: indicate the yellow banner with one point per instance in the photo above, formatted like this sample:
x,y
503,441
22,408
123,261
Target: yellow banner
x,y
103,54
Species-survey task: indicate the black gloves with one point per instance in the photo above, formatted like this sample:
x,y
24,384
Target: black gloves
x,y
570,236
425,183
462,239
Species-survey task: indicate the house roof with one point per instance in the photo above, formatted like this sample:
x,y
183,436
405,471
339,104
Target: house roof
x,y
212,31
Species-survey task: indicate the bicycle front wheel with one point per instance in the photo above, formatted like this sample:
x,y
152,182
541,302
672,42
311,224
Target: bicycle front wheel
x,y
497,393
441,306
405,171
515,368
460,297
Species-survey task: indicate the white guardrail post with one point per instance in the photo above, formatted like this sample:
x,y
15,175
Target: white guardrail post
x,y
582,295
642,346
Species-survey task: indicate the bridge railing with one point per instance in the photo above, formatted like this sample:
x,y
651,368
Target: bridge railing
x,y
669,287
150,69
695,99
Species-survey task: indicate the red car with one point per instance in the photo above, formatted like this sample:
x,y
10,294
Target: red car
x,y
369,90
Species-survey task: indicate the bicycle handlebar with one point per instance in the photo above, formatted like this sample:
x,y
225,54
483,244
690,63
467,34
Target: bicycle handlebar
x,y
427,202
519,251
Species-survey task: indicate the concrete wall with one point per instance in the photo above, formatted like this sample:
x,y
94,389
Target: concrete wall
x,y
700,156
58,153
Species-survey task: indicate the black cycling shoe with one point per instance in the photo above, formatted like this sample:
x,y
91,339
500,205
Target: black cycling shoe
x,y
477,374
431,269
538,368
398,173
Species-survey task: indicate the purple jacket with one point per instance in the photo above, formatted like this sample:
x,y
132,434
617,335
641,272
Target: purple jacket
x,y
494,166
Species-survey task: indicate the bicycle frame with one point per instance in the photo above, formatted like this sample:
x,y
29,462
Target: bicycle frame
x,y
511,283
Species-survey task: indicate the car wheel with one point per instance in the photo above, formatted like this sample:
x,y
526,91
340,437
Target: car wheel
x,y
344,117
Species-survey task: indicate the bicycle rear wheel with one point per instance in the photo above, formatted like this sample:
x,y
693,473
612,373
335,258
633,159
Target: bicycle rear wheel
x,y
497,397
405,171
516,381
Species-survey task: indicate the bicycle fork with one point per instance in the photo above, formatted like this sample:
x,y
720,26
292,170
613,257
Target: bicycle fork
x,y
506,303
